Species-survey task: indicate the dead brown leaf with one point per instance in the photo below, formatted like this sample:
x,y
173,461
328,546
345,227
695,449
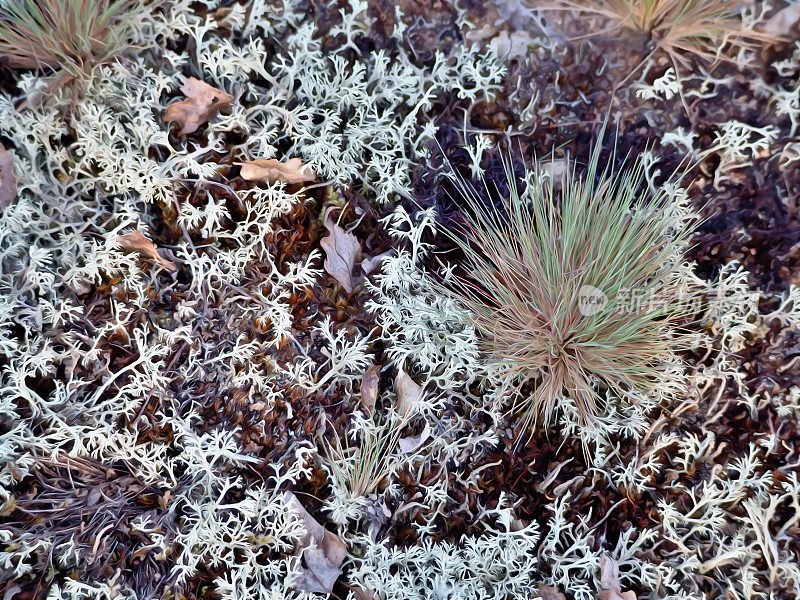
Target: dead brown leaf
x,y
548,592
271,170
136,242
342,252
321,552
408,391
369,387
202,103
8,182
609,582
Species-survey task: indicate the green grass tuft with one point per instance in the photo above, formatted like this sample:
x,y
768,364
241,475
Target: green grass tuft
x,y
70,36
533,267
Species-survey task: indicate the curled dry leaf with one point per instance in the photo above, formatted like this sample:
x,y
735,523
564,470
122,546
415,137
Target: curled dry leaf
x,y
202,103
342,252
8,182
370,264
136,242
609,582
408,391
369,387
548,592
412,443
271,170
321,552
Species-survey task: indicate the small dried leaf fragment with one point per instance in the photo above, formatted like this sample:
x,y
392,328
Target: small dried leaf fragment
x,y
202,103
370,264
321,552
609,582
271,170
548,592
342,252
360,593
8,182
369,387
136,242
408,391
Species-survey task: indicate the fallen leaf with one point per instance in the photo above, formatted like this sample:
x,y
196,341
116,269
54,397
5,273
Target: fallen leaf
x,y
319,574
555,168
342,252
12,590
513,45
378,517
413,443
361,594
136,242
781,23
372,263
202,103
510,26
369,387
518,524
8,182
321,552
609,582
408,391
271,170
548,592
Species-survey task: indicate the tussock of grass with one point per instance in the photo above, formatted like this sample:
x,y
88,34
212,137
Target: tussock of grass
x,y
534,267
681,28
360,469
68,35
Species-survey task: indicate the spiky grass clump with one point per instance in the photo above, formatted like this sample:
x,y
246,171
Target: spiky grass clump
x,y
361,468
681,28
574,285
70,36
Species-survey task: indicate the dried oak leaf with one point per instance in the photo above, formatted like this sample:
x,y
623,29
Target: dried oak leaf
x,y
321,552
609,582
8,182
342,252
136,242
271,170
408,391
202,103
369,387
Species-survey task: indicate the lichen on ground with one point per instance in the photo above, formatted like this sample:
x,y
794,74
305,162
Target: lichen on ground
x,y
178,357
